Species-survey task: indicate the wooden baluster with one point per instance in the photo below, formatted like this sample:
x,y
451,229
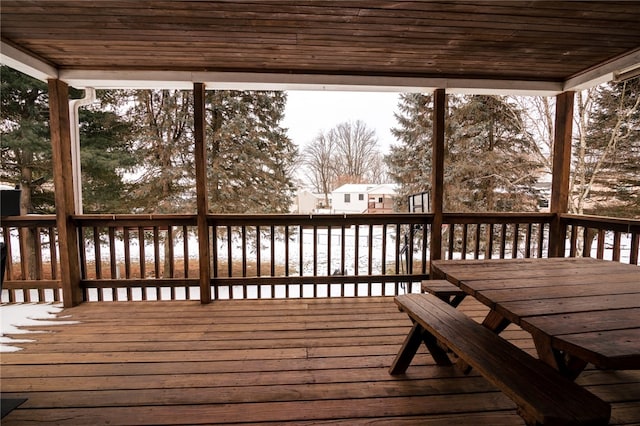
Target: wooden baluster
x,y
229,254
114,274
273,259
370,248
81,254
452,231
156,252
616,246
489,250
315,259
286,258
527,244
301,257
356,249
541,238
600,250
329,250
53,251
112,253
465,229
171,253
97,252
142,254
315,251
214,259
503,240
127,254
476,250
514,250
258,254
185,249
425,237
398,237
573,249
370,254
635,248
6,232
244,258
410,249
585,246
343,255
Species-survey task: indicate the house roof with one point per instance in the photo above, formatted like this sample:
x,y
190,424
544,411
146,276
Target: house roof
x,y
367,188
474,46
384,188
353,188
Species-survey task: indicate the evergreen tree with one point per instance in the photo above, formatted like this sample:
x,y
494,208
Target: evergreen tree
x,y
105,147
165,177
488,161
409,163
25,145
607,178
489,164
251,158
106,154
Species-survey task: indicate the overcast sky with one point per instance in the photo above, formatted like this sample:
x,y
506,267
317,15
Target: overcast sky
x,y
309,112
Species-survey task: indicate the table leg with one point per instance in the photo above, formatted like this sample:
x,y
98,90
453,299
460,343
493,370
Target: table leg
x,y
495,322
568,365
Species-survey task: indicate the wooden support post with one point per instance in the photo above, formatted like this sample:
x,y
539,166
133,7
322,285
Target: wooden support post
x,y
437,173
64,198
561,170
201,192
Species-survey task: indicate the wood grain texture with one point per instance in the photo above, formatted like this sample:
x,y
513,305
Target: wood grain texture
x,y
303,361
543,396
544,41
578,308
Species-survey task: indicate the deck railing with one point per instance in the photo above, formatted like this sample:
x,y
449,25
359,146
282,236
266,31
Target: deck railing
x,y
32,266
602,237
318,255
495,235
155,257
138,257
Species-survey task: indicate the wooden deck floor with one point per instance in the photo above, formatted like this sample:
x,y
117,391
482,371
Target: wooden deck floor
x,y
306,361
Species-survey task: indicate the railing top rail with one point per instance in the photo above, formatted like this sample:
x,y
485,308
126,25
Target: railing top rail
x,y
497,217
133,220
612,223
319,219
29,220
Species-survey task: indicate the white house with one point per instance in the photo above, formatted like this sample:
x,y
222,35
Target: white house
x,y
363,198
381,198
308,202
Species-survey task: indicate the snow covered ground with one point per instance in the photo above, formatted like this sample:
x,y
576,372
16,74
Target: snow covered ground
x,y
19,315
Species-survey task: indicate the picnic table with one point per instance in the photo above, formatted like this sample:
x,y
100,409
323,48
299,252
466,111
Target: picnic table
x,y
578,310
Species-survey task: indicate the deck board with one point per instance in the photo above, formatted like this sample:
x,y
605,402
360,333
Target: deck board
x,y
305,361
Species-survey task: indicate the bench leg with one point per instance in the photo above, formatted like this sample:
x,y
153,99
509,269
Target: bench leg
x,y
411,345
407,350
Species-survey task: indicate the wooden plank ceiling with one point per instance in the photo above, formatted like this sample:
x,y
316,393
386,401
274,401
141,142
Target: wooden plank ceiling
x,y
489,40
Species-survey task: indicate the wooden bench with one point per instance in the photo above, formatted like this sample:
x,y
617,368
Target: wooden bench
x,y
543,396
444,290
